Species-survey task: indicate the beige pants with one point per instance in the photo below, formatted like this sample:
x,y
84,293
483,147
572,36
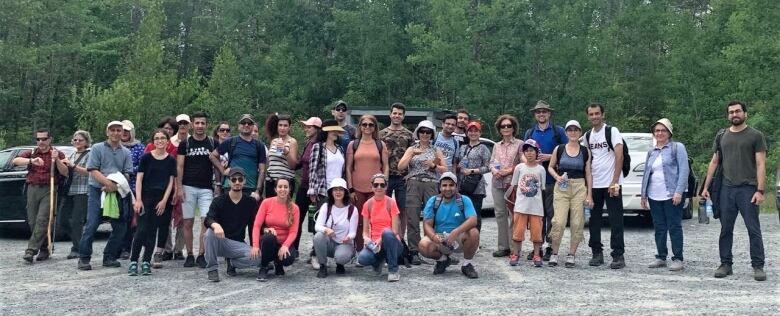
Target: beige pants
x,y
568,204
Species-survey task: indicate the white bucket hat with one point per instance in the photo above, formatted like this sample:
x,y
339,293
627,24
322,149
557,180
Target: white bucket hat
x,y
425,124
338,183
665,122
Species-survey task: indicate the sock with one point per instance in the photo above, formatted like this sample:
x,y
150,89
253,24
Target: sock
x,y
466,262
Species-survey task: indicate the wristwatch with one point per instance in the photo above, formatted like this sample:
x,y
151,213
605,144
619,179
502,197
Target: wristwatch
x,y
760,191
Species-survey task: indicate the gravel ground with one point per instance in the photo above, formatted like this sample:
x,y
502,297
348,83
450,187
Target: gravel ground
x,y
56,287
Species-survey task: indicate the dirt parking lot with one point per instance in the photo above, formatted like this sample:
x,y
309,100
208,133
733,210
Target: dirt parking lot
x,y
56,287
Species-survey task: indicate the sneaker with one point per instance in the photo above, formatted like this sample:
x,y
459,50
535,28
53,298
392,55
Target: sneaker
x,y
547,254
597,260
569,261
314,263
514,259
340,269
723,271
201,261
278,270
111,263
416,260
213,276
231,270
28,255
178,256
157,260
441,265
677,265
146,268
759,274
501,253
44,254
73,255
469,271
657,263
125,255
190,262
618,263
84,265
323,272
393,277
166,256
537,261
378,268
553,261
262,274
132,270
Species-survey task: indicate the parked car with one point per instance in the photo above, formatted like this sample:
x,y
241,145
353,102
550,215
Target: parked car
x,y
638,146
13,210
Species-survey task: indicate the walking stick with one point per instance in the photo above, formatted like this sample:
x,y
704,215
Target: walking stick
x,y
51,201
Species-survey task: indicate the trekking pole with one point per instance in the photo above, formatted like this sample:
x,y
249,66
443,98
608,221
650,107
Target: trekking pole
x,y
51,202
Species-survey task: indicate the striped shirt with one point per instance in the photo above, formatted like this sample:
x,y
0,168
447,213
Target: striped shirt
x,y
277,163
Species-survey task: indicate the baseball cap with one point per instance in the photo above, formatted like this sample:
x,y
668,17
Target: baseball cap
x,y
183,117
128,125
474,124
448,175
573,123
236,171
112,123
247,117
312,121
340,103
531,143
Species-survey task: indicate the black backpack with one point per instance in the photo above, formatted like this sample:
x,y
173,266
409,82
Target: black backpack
x,y
559,153
691,190
608,135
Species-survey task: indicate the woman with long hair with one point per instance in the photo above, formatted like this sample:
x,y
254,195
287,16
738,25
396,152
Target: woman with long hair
x,y
74,207
336,229
278,217
282,152
311,128
221,132
366,155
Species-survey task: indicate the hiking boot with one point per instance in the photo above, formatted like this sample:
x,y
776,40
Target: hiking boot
x,y
323,272
393,277
416,260
657,263
501,253
723,271
73,255
597,260
340,269
146,268
166,256
262,274
547,254
28,255
213,276
132,269
537,261
553,261
569,261
469,271
231,270
157,260
111,263
125,255
514,259
178,256
441,265
201,261
618,262
190,262
278,269
759,274
677,265
44,254
314,263
84,265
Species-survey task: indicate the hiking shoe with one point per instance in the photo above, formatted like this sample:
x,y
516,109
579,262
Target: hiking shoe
x,y
469,271
166,256
441,265
323,272
514,259
759,274
201,261
278,269
178,256
723,271
111,263
569,261
73,255
416,260
231,270
84,265
530,256
213,276
314,263
677,265
597,260
378,268
618,263
547,254
146,268
190,262
553,261
44,254
657,263
132,270
393,277
125,255
157,260
340,269
28,255
262,274
537,261
501,253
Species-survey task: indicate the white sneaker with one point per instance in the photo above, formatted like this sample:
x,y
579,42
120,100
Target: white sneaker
x,y
677,265
657,263
393,277
553,261
314,263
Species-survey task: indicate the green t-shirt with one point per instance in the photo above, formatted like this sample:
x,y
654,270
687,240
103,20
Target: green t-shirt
x,y
739,155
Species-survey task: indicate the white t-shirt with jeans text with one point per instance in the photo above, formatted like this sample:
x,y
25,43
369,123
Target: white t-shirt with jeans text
x,y
603,161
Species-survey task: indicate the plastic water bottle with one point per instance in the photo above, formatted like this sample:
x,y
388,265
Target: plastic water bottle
x,y
708,207
452,245
312,210
564,186
586,210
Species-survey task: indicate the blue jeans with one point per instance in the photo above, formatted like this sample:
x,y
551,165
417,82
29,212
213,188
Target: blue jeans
x,y
667,217
736,201
94,214
390,249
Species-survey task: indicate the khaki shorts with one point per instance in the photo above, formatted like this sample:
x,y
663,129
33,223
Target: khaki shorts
x,y
446,250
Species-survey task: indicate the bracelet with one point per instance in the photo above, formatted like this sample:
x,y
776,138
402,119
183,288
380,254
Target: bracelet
x,y
760,191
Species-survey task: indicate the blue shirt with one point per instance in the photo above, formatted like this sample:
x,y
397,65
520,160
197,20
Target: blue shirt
x,y
245,155
546,140
449,147
448,216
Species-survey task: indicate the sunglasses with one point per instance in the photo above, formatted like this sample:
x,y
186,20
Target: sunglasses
x,y
237,179
541,112
42,139
222,130
379,185
367,124
506,126
340,109
77,140
247,123
425,131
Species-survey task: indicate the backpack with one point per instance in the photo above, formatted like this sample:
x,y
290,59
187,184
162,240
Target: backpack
x,y
690,191
559,154
350,210
626,157
437,203
556,133
379,147
717,177
404,256
232,147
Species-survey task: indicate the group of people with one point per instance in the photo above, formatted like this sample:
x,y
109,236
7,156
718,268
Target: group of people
x,y
364,190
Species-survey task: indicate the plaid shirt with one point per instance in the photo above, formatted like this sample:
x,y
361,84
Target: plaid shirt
x,y
79,183
39,175
317,168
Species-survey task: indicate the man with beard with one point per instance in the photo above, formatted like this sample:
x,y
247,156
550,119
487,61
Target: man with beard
x,y
460,127
740,150
339,113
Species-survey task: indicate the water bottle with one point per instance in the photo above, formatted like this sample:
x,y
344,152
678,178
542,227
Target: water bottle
x,y
312,210
452,245
708,207
703,218
565,182
586,210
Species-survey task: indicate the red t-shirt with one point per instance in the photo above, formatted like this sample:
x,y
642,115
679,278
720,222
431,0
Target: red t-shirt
x,y
40,174
379,217
273,214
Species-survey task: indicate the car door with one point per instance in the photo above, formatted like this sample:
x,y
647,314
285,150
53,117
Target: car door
x,y
12,186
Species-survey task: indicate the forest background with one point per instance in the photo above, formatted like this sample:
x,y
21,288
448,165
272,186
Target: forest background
x,y
81,63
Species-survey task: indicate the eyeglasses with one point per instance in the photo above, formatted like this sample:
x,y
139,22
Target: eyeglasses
x,y
367,124
222,130
541,112
506,126
43,139
247,123
340,109
379,185
425,131
77,140
659,130
237,179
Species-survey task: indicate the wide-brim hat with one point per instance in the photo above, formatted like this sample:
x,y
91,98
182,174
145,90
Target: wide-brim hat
x,y
665,122
425,124
542,105
331,125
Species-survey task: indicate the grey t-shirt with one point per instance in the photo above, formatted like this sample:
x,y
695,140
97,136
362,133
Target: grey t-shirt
x,y
739,155
108,160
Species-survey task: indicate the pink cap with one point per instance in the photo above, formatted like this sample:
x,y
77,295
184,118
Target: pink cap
x,y
312,121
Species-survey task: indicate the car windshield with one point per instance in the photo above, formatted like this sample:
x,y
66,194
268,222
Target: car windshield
x,y
5,156
639,143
